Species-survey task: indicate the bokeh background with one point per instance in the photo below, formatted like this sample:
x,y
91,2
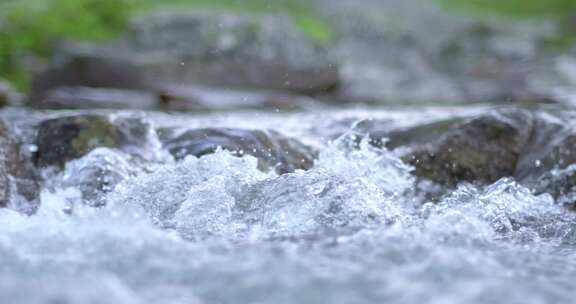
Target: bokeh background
x,y
223,54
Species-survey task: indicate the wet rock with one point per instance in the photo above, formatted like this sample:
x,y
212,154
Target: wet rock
x,y
98,173
212,49
549,148
481,150
560,183
95,98
65,138
548,164
19,186
272,149
534,145
220,99
410,136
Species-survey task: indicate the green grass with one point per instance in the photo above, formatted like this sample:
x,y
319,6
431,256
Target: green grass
x,y
30,28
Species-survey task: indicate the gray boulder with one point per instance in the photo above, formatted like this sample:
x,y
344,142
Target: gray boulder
x,y
482,150
272,149
194,48
535,146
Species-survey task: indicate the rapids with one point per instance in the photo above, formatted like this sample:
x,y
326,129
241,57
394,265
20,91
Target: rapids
x,y
353,229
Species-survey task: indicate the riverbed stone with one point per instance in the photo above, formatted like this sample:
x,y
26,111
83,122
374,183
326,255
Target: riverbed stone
x,y
62,139
272,149
482,150
479,149
534,145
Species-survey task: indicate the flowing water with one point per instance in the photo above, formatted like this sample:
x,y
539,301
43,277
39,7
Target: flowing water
x,y
350,230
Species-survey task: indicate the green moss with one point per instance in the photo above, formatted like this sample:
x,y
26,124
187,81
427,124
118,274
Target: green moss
x,y
317,29
97,133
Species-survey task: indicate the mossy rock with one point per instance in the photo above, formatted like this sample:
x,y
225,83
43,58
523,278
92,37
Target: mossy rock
x,y
62,139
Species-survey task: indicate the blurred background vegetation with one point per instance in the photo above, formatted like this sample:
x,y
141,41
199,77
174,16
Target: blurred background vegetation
x,y
563,12
30,28
520,8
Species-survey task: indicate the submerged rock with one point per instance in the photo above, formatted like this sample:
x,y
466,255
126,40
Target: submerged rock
x,y
561,184
213,49
65,138
272,149
19,186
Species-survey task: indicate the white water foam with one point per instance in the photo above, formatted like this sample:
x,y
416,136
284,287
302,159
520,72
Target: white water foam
x,y
217,230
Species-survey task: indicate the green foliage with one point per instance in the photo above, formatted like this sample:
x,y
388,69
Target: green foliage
x,y
32,27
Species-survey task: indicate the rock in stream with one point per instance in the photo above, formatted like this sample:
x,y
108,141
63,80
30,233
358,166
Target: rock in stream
x,y
171,49
272,149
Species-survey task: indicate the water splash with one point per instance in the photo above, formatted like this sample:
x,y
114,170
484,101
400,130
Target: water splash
x,y
217,230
